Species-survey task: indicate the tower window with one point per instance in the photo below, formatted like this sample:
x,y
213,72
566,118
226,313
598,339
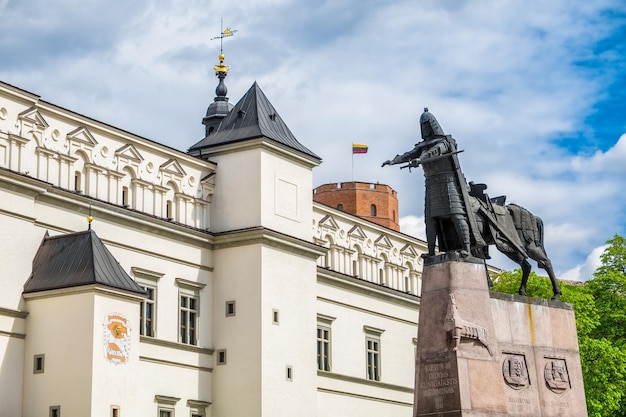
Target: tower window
x,y
221,357
168,209
38,364
125,196
340,206
230,308
373,210
77,181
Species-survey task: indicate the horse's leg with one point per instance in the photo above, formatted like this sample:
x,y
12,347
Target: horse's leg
x,y
489,281
521,260
462,230
525,265
546,264
539,255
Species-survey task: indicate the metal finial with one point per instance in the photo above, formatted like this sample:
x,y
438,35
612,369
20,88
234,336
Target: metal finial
x,y
224,33
89,218
425,109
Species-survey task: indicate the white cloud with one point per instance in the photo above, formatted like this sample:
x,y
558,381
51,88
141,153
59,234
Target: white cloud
x,y
585,270
413,226
609,162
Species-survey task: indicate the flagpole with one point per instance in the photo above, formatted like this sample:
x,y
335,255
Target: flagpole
x,y
352,151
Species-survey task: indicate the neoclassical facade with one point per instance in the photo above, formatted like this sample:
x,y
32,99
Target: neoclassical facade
x,y
196,287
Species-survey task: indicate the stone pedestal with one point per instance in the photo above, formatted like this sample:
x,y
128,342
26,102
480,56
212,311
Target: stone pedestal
x,y
486,354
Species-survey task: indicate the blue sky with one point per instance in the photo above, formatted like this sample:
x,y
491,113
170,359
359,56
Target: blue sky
x,y
532,91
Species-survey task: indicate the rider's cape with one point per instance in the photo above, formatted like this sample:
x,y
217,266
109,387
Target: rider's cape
x,y
476,236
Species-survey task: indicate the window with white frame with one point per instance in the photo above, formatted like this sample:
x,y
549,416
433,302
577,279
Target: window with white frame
x,y
324,342
372,352
147,312
38,363
166,405
188,322
188,310
231,308
148,281
55,411
197,408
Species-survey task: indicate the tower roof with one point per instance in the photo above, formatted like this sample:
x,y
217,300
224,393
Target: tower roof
x,y
252,117
74,260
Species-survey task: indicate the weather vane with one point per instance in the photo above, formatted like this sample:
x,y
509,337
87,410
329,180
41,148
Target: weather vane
x,y
221,68
225,33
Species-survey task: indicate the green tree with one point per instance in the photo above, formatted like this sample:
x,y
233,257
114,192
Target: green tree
x,y
605,351
609,290
600,308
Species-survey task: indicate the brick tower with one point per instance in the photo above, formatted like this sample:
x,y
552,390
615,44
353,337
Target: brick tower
x,y
377,203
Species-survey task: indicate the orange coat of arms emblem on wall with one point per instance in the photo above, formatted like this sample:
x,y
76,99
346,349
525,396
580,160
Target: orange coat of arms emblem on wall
x,y
116,338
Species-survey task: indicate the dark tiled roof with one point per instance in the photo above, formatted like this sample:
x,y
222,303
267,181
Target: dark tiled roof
x,y
76,259
252,117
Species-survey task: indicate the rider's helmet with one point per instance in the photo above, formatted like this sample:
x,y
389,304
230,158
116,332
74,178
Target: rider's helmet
x,y
430,126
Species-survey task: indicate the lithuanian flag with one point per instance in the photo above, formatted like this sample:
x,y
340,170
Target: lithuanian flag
x,y
359,148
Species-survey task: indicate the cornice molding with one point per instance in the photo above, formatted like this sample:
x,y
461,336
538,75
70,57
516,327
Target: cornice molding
x,y
267,237
363,381
84,289
265,144
370,289
175,345
9,312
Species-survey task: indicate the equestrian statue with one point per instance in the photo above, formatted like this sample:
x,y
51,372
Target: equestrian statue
x,y
460,217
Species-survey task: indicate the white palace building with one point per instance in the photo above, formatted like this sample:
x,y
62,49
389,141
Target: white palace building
x,y
210,283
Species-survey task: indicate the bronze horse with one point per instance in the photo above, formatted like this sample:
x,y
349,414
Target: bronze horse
x,y
515,231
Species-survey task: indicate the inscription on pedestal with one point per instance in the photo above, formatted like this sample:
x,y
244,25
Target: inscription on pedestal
x,y
439,386
520,405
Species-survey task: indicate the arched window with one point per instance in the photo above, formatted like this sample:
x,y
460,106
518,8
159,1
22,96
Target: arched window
x,y
340,206
373,210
